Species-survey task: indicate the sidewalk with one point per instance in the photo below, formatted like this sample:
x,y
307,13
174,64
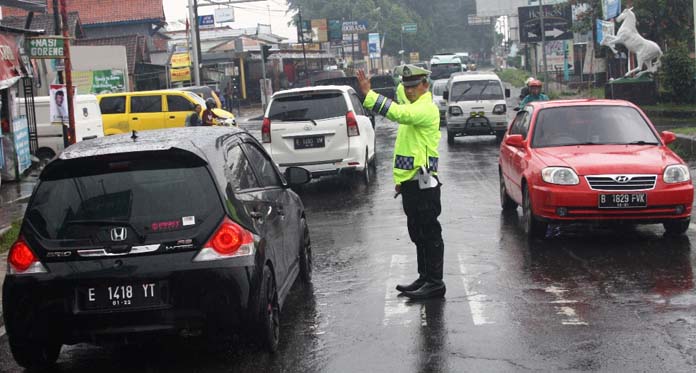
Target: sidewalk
x,y
13,200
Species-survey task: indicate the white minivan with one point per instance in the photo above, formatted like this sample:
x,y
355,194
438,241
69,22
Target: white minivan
x,y
324,129
476,106
88,123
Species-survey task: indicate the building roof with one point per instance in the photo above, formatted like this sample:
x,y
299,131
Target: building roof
x,y
136,48
44,21
97,12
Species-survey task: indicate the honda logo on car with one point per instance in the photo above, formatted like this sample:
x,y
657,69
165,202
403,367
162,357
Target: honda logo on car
x,y
119,234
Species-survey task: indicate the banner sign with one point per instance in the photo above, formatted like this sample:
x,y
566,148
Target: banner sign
x,y
20,132
11,68
99,81
373,45
59,103
182,74
206,21
223,15
181,60
604,28
304,32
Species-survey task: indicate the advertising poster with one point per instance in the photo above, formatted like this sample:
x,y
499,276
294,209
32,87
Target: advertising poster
x,y
99,81
20,132
181,60
374,45
304,32
611,8
59,104
181,74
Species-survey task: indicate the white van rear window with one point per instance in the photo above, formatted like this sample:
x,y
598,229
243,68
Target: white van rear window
x,y
475,90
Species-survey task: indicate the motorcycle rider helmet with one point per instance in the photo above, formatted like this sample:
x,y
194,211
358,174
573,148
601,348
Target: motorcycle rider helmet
x,y
535,83
210,103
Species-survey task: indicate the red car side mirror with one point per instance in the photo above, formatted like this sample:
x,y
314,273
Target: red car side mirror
x,y
516,141
668,137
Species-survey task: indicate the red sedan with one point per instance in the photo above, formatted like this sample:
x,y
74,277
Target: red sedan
x,y
590,161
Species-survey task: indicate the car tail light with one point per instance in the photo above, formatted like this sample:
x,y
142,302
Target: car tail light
x,y
352,124
499,109
266,130
22,260
229,240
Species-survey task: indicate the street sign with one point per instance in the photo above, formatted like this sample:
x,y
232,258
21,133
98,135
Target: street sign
x,y
47,47
207,20
558,22
181,60
224,15
414,57
409,28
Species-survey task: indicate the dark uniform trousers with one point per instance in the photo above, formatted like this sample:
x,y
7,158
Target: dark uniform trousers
x,y
422,207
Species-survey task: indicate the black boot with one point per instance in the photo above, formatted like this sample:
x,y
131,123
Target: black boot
x,y
415,285
429,290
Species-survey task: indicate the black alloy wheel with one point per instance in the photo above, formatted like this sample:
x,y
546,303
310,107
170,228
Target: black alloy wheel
x,y
507,203
305,254
269,320
533,228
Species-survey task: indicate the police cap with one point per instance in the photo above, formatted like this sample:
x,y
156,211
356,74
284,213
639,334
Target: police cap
x,y
411,75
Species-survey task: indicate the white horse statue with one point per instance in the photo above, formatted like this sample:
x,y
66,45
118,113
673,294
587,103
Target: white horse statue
x,y
648,52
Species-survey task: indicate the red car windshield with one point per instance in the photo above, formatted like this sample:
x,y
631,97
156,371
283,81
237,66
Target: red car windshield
x,y
592,125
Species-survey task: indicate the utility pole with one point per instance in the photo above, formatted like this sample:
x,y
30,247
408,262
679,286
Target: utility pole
x,y
543,41
68,73
304,51
195,45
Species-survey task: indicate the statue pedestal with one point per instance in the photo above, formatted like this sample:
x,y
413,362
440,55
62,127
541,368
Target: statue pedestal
x,y
640,91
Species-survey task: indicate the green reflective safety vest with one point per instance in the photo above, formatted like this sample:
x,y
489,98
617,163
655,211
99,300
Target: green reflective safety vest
x,y
401,95
418,135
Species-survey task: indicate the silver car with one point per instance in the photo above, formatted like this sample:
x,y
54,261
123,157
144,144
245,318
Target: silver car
x,y
440,86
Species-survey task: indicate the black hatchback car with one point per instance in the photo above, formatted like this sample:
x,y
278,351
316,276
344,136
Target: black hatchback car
x,y
180,231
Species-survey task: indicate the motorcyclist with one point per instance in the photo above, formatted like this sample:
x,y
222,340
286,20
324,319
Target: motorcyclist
x,y
534,93
525,90
209,117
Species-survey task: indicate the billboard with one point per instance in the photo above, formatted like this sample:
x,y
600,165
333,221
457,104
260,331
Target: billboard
x,y
373,45
335,30
496,8
320,31
99,81
611,8
355,27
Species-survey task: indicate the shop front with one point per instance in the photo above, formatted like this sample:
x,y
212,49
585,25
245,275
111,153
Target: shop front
x,y
18,132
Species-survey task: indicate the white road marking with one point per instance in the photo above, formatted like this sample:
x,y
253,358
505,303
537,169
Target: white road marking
x,y
568,313
394,307
2,331
477,301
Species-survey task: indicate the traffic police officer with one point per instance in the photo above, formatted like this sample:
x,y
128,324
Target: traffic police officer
x,y
415,169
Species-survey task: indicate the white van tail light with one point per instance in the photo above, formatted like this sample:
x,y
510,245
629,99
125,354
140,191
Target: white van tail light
x,y
266,130
352,124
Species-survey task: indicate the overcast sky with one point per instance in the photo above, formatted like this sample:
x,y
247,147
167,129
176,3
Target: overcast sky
x,y
246,14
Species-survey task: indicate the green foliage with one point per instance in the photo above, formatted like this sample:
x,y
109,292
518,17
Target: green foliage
x,y
442,24
678,74
7,239
513,76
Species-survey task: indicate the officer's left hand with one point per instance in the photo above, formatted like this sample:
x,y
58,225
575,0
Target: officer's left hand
x,y
364,82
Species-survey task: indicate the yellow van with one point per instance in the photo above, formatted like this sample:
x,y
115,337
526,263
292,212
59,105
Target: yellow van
x,y
149,110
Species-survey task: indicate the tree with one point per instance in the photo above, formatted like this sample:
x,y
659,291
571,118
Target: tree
x,y
678,73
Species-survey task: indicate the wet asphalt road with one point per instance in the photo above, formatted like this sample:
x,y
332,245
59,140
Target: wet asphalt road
x,y
590,299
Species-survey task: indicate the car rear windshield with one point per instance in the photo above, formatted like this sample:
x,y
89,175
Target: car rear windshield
x,y
591,125
382,82
474,90
439,87
77,198
444,70
308,106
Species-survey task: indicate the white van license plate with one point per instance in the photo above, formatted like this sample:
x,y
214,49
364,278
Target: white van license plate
x,y
309,142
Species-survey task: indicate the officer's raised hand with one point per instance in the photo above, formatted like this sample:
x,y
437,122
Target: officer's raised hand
x,y
364,82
